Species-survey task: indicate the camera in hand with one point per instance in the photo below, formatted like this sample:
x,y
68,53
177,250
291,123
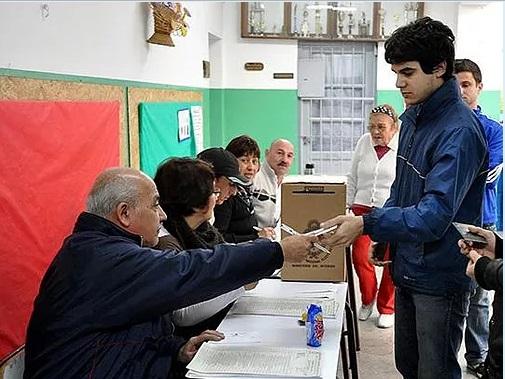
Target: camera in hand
x,y
379,251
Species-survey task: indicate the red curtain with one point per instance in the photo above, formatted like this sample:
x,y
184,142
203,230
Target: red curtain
x,y
50,154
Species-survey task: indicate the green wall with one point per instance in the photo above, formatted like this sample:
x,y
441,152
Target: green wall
x,y
490,101
265,115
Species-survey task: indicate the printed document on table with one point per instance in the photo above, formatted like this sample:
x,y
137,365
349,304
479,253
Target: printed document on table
x,y
235,361
240,338
257,305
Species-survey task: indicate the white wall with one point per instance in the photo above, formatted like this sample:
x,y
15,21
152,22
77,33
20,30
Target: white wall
x,y
276,55
106,40
479,36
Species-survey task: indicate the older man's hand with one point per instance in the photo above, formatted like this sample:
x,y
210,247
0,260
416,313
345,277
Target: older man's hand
x,y
295,248
349,228
189,349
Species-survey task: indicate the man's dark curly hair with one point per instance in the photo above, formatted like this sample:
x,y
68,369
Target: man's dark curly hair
x,y
425,40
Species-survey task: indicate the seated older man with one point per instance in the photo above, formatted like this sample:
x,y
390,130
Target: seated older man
x,y
99,311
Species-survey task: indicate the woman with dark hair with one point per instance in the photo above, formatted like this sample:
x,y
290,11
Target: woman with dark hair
x,y
235,218
188,196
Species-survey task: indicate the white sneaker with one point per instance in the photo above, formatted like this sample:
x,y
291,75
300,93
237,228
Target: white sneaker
x,y
385,321
365,311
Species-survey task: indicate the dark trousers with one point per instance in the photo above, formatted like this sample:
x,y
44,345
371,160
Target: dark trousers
x,y
428,334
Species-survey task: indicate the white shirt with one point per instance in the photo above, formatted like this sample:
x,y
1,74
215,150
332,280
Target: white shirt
x,y
265,182
193,314
196,313
370,179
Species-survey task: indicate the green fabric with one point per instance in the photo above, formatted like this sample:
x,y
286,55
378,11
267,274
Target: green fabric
x,y
158,135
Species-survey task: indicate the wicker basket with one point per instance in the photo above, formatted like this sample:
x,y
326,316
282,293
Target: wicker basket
x,y
162,25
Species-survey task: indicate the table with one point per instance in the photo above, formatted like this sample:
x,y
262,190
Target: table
x,y
282,331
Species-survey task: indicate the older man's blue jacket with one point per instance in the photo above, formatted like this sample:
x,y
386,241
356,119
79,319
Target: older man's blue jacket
x,y
440,177
99,311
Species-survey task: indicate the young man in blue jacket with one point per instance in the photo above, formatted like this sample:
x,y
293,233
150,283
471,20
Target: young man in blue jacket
x,y
103,308
440,177
469,78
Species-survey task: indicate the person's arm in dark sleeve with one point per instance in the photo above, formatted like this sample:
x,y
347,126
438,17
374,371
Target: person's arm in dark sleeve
x,y
489,273
238,238
457,163
222,217
136,285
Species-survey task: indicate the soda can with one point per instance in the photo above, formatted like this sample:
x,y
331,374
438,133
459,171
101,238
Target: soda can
x,y
314,325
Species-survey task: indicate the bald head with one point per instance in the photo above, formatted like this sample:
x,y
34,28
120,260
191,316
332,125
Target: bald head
x,y
113,186
280,157
128,198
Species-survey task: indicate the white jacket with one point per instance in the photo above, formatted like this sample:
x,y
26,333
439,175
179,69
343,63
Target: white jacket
x,y
265,182
370,179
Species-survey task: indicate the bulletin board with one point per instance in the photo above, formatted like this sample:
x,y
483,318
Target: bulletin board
x,y
159,134
15,88
136,96
56,136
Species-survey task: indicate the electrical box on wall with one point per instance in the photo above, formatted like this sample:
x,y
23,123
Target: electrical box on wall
x,y
310,78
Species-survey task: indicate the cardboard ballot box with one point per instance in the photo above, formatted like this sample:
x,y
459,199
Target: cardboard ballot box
x,y
304,206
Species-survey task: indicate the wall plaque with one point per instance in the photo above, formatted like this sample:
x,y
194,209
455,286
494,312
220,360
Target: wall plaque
x,y
253,66
283,75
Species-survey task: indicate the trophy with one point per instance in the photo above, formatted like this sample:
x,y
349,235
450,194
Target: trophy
x,y
340,23
257,18
295,21
317,24
396,19
410,12
382,14
251,24
305,23
350,24
363,26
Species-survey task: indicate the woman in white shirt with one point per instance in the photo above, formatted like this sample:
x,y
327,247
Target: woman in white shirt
x,y
368,186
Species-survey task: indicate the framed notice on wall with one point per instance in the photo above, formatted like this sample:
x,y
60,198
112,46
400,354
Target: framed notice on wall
x,y
184,122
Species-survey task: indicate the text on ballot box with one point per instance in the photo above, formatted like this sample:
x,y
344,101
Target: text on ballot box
x,y
304,206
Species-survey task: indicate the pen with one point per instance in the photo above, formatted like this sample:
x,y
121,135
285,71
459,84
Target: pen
x,y
293,232
257,228
320,231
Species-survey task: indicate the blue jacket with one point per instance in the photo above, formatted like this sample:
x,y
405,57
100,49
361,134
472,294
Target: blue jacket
x,y
440,176
99,311
494,137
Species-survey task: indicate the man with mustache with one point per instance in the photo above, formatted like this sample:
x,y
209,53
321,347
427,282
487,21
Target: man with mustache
x,y
441,172
267,183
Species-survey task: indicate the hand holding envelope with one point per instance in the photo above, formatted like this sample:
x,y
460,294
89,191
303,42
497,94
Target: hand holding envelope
x,y
348,229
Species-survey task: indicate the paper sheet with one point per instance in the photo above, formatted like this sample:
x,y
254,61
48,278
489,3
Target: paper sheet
x,y
239,338
235,361
282,306
184,124
197,119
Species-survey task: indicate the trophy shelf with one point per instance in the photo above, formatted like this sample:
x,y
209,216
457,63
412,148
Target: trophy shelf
x,y
326,21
